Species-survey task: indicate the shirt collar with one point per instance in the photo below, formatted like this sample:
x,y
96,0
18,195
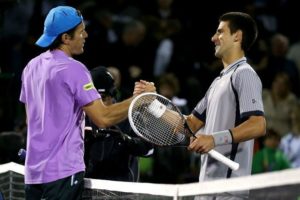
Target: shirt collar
x,y
233,65
58,53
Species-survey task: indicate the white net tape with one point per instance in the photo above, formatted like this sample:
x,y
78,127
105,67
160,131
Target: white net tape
x,y
288,180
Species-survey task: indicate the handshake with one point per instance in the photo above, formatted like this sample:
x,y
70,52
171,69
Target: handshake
x,y
143,86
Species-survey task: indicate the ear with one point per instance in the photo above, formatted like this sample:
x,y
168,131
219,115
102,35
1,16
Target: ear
x,y
238,36
65,38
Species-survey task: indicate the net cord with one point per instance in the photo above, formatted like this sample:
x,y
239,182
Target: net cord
x,y
259,181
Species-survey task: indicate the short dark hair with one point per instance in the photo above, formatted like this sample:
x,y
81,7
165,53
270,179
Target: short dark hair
x,y
57,42
245,23
271,133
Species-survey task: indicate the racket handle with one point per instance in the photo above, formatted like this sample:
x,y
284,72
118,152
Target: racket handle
x,y
231,164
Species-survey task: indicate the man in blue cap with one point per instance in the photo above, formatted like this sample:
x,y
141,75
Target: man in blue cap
x,y
57,92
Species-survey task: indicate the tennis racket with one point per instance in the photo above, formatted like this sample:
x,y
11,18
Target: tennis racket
x,y
157,120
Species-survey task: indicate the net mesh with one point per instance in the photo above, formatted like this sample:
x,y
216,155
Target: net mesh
x,y
283,185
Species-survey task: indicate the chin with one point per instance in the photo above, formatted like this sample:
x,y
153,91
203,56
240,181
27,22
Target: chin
x,y
79,52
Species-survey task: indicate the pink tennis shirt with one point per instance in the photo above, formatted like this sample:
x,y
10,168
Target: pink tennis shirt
x,y
54,89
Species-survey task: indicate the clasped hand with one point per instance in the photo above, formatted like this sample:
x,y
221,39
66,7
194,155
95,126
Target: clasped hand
x,y
143,86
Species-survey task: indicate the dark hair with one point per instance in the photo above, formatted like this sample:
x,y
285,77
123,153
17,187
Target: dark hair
x,y
245,23
57,42
271,133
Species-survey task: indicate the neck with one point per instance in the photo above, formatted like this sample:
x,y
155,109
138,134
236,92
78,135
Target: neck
x,y
227,60
64,49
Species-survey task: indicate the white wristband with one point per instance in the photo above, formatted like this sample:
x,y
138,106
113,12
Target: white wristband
x,y
222,137
156,108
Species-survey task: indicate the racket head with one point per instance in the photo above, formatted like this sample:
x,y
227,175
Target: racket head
x,y
150,123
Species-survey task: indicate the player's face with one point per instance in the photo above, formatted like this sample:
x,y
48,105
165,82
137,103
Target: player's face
x,y
77,42
223,40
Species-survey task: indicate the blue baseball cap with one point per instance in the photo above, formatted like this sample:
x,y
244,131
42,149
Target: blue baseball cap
x,y
59,20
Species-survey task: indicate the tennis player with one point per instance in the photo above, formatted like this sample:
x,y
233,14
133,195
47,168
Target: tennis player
x,y
231,113
57,92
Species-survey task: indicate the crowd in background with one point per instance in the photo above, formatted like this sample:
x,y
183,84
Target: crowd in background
x,y
167,42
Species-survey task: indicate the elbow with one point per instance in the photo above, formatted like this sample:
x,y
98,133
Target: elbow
x,y
262,127
102,123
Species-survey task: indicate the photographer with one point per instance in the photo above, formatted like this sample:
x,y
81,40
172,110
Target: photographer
x,y
112,153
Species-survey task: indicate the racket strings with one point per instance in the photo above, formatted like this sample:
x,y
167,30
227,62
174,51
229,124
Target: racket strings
x,y
161,130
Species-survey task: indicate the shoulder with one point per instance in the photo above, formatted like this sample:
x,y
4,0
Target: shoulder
x,y
286,138
37,59
72,66
245,68
245,73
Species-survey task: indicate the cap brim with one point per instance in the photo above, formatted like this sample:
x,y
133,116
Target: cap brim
x,y
45,40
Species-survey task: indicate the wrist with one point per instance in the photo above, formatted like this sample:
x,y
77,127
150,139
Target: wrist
x,y
222,137
156,108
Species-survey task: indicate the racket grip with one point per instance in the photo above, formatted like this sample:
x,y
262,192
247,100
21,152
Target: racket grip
x,y
218,156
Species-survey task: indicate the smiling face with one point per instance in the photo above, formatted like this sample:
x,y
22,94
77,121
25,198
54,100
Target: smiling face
x,y
223,40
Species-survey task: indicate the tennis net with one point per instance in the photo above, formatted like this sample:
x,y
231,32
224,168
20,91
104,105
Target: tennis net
x,y
275,185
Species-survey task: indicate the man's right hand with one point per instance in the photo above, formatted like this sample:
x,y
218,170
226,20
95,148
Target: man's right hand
x,y
143,86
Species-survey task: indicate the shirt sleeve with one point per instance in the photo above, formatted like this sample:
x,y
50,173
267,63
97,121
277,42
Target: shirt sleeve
x,y
79,81
200,109
249,89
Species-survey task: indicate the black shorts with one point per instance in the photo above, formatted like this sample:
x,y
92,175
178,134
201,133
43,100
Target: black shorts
x,y
69,188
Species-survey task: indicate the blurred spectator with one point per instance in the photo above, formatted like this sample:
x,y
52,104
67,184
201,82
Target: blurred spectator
x,y
132,54
168,86
265,11
278,104
102,36
294,54
167,48
164,10
270,157
277,61
290,143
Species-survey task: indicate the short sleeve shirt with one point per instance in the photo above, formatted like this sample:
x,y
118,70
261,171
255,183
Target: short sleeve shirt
x,y
55,87
233,96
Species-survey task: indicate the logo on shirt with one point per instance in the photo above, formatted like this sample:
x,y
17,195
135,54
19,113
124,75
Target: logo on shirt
x,y
88,86
253,101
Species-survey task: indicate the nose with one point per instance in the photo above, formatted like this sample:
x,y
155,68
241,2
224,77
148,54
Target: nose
x,y
85,34
213,38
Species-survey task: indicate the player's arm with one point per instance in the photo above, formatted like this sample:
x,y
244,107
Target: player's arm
x,y
106,116
252,128
194,123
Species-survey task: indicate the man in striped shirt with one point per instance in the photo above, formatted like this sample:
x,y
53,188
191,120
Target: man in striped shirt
x,y
231,113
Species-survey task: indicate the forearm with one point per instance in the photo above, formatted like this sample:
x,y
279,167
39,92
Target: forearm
x,y
106,116
252,128
194,123
117,112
